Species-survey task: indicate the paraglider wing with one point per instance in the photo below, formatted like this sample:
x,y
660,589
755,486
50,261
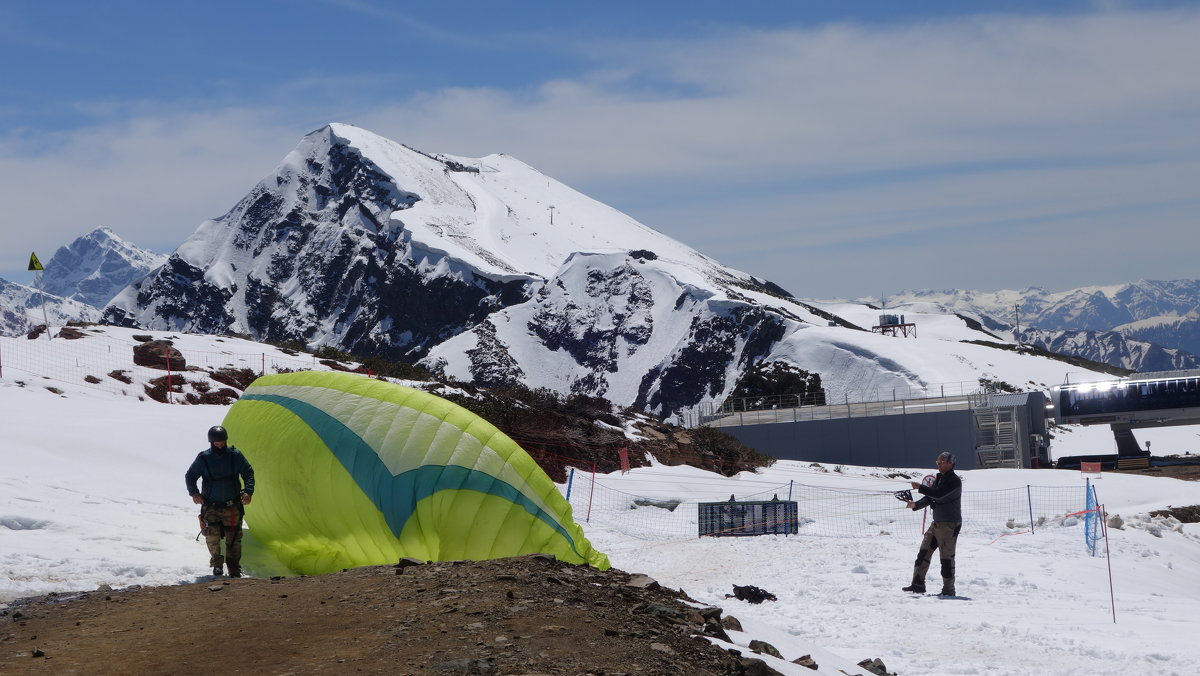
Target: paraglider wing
x,y
353,471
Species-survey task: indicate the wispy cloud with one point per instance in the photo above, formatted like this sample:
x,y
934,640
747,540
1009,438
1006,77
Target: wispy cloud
x,y
407,19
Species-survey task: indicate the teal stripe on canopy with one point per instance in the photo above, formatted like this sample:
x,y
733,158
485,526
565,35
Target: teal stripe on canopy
x,y
397,496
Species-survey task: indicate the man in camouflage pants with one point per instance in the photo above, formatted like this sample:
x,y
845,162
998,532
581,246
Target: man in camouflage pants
x,y
227,487
945,495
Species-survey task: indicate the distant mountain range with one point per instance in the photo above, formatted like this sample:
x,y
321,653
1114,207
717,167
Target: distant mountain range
x,y
1143,325
485,270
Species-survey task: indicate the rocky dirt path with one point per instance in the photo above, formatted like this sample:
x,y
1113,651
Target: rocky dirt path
x,y
525,615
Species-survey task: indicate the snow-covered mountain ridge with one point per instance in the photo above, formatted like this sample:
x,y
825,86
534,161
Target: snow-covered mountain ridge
x,y
24,307
487,270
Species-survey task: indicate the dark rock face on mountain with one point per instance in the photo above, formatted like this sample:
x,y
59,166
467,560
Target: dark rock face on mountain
x,y
624,326
700,367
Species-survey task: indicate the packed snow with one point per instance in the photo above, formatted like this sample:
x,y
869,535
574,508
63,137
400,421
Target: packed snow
x,y
93,493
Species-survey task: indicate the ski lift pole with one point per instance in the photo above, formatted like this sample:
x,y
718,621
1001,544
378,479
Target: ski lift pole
x,y
45,318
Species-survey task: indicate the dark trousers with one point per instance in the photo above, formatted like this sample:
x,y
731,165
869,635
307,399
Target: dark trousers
x,y
942,537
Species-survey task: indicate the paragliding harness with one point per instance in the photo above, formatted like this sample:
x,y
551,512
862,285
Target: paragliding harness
x,y
235,517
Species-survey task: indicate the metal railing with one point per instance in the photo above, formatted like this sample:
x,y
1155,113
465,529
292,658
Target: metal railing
x,y
791,408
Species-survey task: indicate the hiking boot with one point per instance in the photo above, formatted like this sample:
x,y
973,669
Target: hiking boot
x,y
235,572
217,571
915,588
947,591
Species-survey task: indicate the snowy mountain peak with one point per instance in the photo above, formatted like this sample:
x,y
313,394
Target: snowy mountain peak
x,y
367,244
95,267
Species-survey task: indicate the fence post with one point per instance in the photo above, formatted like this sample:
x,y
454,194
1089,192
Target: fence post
x,y
591,493
263,370
790,482
168,356
1108,555
570,480
1029,497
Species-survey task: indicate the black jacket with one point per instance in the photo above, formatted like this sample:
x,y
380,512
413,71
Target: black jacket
x,y
945,495
220,472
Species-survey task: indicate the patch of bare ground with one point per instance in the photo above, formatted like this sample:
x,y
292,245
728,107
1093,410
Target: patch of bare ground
x,y
523,615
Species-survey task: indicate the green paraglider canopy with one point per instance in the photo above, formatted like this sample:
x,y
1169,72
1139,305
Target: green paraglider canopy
x,y
353,471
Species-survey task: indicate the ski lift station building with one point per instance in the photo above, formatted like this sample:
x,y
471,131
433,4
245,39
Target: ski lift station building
x,y
982,429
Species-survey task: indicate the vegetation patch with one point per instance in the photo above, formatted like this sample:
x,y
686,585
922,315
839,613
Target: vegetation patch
x,y
121,376
157,389
236,378
996,386
1190,514
776,384
220,397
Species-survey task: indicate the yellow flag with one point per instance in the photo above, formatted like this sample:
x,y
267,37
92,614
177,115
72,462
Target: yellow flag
x,y
34,263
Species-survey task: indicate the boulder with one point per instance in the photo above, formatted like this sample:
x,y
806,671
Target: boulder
x,y
159,354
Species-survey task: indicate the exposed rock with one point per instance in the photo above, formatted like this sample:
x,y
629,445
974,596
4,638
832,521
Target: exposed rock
x,y
159,354
806,661
640,581
752,666
875,666
764,647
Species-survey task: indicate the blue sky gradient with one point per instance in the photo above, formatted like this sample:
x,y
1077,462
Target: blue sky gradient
x,y
838,149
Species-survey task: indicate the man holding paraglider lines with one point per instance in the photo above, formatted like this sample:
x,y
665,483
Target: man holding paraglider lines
x,y
944,494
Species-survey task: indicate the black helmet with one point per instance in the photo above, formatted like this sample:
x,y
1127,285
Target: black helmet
x,y
217,433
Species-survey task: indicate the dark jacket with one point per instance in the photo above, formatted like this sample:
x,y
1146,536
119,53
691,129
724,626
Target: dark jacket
x,y
945,495
220,470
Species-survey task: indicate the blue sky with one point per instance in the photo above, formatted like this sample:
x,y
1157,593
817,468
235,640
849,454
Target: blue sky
x,y
838,149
